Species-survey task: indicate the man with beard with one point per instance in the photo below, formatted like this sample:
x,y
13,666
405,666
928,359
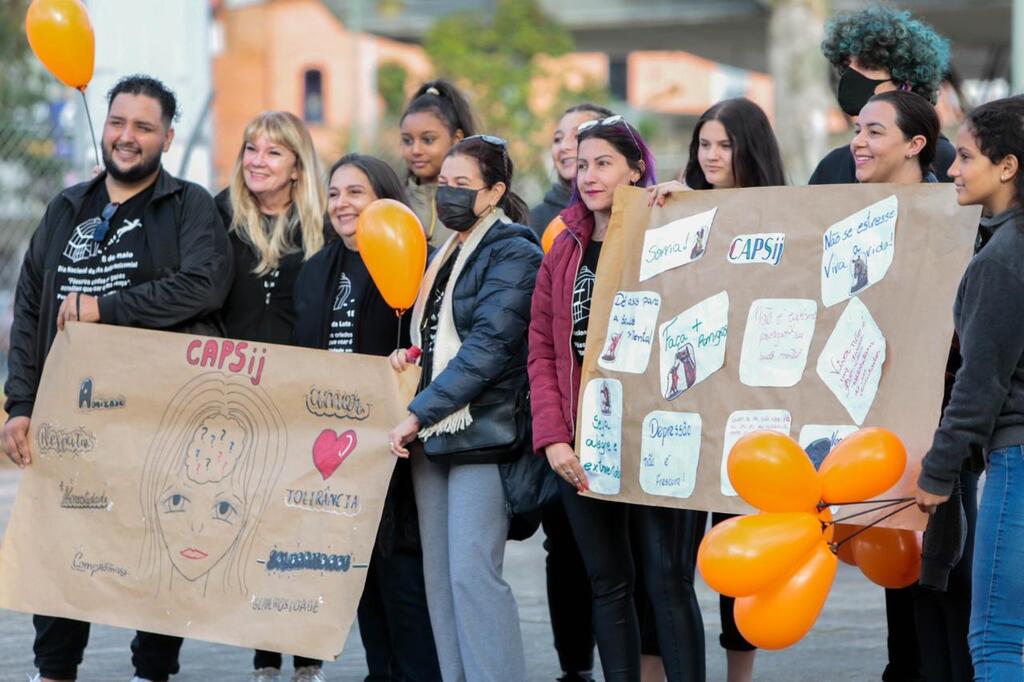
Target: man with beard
x,y
134,247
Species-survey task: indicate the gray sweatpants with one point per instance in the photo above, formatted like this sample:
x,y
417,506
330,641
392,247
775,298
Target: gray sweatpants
x,y
463,527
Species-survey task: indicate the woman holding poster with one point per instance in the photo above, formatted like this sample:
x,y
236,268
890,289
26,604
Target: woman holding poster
x,y
611,153
733,145
986,405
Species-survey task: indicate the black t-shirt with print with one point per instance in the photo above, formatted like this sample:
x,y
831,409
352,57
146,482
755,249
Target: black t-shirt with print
x,y
350,291
582,292
431,315
121,260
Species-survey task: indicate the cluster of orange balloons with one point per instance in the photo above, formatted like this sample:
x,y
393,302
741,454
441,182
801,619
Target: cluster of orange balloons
x,y
60,34
394,247
779,564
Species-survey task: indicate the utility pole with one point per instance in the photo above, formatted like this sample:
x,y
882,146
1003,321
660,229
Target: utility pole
x,y
1017,49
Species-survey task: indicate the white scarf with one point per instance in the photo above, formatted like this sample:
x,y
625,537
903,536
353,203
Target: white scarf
x,y
447,341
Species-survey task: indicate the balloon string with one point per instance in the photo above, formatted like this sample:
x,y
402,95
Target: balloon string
x,y
92,131
824,505
398,336
868,511
834,546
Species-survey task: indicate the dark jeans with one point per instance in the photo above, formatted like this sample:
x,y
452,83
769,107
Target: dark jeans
x,y
664,540
272,659
60,643
943,618
394,623
569,598
902,643
731,639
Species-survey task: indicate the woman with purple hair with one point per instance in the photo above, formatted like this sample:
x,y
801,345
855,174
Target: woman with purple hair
x,y
611,153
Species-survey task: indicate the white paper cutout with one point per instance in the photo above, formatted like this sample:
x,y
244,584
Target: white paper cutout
x,y
817,440
776,341
851,362
858,250
693,345
601,435
627,346
676,243
742,422
669,452
764,247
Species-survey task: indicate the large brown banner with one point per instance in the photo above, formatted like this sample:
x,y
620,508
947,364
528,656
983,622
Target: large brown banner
x,y
220,490
813,311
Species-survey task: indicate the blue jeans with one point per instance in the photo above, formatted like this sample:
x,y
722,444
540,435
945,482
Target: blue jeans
x,y
997,609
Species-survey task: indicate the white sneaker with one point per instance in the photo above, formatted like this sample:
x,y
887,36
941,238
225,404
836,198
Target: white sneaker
x,y
265,675
309,673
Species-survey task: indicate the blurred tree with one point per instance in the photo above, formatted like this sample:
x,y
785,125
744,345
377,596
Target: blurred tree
x,y
494,58
391,82
802,97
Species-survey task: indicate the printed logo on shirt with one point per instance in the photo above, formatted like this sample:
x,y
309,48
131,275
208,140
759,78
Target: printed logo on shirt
x,y
81,246
127,227
582,293
344,291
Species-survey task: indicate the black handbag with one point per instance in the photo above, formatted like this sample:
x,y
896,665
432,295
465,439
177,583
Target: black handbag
x,y
499,432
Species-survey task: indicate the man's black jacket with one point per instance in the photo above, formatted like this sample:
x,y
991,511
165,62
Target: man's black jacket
x,y
192,262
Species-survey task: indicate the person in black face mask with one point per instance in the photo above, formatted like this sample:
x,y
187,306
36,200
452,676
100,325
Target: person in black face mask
x,y
877,50
470,320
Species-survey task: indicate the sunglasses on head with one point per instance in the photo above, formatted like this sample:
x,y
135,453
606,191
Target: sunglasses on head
x,y
100,233
610,121
616,120
489,139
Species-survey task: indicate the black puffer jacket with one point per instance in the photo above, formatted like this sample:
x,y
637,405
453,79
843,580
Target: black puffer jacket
x,y
191,258
491,305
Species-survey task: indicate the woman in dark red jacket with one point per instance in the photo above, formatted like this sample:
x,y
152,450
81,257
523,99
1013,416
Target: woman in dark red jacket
x,y
611,153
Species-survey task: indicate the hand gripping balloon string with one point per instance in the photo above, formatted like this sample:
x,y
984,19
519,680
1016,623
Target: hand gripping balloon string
x,y
836,545
92,131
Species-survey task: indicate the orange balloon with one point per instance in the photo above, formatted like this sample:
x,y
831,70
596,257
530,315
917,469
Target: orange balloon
x,y
863,465
781,615
845,551
773,473
394,247
890,557
60,34
746,554
554,228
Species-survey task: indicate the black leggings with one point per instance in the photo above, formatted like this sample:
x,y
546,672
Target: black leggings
x,y
731,638
665,545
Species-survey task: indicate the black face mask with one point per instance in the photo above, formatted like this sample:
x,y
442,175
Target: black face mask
x,y
455,207
855,89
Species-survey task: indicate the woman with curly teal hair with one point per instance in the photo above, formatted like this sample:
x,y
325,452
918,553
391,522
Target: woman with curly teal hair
x,y
876,50
910,52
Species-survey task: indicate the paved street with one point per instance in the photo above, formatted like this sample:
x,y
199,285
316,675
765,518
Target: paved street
x,y
848,642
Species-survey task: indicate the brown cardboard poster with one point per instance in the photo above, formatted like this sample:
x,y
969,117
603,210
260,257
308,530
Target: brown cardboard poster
x,y
220,490
808,310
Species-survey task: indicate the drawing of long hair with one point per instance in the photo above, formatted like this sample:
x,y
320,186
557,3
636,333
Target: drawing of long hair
x,y
254,474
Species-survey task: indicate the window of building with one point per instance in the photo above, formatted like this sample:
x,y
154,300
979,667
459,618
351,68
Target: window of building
x,y
312,96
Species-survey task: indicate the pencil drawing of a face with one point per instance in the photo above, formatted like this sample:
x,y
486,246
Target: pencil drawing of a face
x,y
200,509
208,475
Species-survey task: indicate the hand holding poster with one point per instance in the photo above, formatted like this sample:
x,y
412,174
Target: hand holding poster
x,y
787,358
207,488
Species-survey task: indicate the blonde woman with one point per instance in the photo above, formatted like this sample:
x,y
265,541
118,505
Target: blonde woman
x,y
274,211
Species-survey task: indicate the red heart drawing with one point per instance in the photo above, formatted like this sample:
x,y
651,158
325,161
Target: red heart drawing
x,y
330,450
